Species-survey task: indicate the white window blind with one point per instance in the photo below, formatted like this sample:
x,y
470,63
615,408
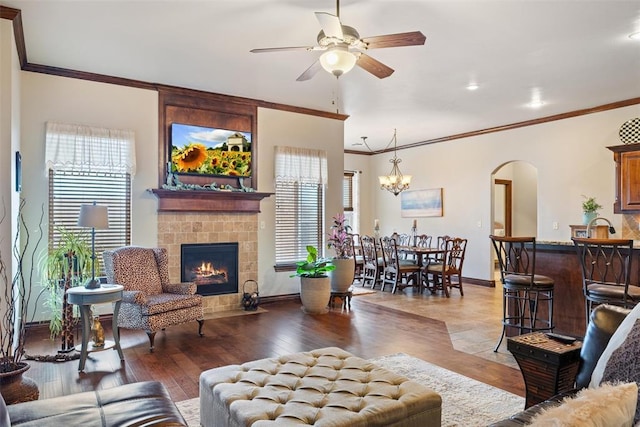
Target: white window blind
x,y
69,190
347,192
299,182
87,164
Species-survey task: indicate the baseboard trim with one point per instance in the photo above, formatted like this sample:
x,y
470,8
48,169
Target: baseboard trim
x,y
479,282
279,298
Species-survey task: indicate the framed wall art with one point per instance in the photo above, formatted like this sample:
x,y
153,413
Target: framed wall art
x,y
418,203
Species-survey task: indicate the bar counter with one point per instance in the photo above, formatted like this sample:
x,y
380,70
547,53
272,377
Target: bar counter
x,y
559,261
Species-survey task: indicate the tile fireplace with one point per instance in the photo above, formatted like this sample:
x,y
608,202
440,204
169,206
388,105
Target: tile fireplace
x,y
178,228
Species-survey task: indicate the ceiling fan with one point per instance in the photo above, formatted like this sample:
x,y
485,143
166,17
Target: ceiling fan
x,y
343,48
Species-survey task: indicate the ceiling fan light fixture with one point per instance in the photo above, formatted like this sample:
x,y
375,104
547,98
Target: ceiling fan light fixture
x,y
337,60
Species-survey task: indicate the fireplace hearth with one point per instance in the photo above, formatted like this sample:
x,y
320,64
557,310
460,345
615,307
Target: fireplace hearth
x,y
213,267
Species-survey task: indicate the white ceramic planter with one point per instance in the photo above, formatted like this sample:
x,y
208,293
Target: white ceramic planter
x,y
342,276
315,293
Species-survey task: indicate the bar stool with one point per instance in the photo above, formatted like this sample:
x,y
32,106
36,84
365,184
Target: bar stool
x,y
522,290
606,272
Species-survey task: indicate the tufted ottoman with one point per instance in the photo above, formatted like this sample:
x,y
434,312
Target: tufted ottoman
x,y
325,387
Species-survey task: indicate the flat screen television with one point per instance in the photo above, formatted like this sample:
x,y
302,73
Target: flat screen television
x,y
203,151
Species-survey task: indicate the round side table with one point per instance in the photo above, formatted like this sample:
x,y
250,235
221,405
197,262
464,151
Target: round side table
x,y
85,298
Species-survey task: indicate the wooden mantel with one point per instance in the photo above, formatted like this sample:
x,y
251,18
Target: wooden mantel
x,y
208,200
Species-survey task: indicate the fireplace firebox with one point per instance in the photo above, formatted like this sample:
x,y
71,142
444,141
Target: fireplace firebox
x,y
213,267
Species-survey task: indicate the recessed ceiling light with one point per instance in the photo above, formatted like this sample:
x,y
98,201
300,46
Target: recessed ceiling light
x,y
635,36
472,86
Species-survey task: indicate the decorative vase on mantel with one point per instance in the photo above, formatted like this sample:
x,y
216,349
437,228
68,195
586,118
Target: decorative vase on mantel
x,y
587,217
15,387
342,276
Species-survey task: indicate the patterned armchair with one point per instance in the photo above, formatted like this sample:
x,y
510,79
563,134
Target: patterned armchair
x,y
150,302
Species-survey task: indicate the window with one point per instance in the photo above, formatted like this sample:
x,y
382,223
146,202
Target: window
x,y
68,190
299,183
299,219
88,164
347,192
351,199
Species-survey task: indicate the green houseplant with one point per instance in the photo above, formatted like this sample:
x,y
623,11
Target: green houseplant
x,y
341,241
64,266
590,208
315,284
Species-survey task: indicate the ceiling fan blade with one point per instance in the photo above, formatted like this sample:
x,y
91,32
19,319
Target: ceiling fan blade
x,y
281,49
310,72
413,38
330,24
374,66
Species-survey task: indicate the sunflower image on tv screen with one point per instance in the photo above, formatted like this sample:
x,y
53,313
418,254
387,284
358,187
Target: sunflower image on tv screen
x,y
197,150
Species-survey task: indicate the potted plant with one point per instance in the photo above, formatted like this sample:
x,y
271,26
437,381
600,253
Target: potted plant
x,y
315,284
590,208
63,267
341,242
16,271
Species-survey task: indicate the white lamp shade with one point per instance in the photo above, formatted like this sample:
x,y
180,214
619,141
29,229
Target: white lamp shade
x,y
94,216
338,60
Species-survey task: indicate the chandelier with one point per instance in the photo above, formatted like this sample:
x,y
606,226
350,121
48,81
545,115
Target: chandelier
x,y
395,182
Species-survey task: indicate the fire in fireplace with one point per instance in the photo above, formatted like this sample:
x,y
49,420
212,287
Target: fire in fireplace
x,y
211,266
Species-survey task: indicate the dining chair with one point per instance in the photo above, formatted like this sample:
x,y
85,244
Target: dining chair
x,y
422,241
356,249
372,267
398,275
451,265
402,239
606,272
437,258
523,291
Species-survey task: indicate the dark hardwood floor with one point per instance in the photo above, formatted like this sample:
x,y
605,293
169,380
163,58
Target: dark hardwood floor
x,y
371,329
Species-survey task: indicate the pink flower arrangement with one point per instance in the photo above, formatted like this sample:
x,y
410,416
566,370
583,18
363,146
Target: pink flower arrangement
x,y
339,238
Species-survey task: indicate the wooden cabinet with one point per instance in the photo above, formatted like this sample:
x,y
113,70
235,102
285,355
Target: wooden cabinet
x,y
627,158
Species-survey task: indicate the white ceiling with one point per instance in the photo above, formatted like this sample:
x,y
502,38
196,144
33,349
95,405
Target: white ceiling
x,y
575,53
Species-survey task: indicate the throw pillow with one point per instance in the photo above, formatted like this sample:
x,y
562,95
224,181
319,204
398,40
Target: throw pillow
x,y
623,364
616,340
605,406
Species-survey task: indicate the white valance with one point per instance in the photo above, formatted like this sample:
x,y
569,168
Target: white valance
x,y
89,149
301,165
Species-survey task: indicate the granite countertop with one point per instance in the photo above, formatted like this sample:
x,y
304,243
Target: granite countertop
x,y
554,243
564,244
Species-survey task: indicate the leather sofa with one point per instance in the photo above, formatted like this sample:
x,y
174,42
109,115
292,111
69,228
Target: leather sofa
x,y
604,321
137,404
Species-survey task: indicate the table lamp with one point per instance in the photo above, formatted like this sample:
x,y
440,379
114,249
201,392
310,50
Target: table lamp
x,y
94,216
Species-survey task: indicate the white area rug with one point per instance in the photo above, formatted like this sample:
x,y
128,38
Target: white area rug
x,y
465,401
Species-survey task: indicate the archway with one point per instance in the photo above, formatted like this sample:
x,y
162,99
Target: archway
x,y
514,204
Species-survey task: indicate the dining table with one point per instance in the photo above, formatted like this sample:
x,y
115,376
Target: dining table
x,y
421,252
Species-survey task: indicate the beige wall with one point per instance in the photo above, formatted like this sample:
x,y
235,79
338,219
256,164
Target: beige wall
x,y
295,130
9,144
571,159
